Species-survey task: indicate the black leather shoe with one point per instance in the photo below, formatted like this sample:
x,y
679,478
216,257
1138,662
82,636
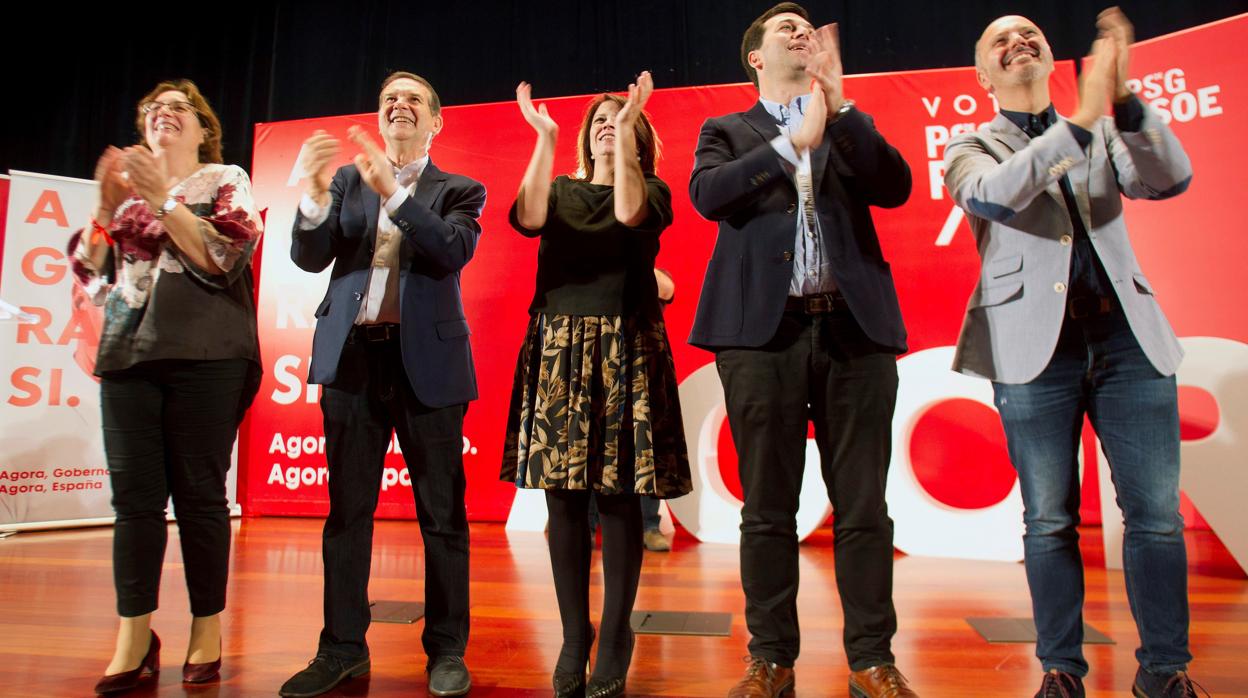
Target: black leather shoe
x,y
1176,685
1059,684
448,676
323,673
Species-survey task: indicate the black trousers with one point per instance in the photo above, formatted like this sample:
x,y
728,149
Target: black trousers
x,y
821,369
169,428
369,401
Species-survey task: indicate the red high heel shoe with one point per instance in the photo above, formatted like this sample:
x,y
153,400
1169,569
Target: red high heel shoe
x,y
202,673
126,680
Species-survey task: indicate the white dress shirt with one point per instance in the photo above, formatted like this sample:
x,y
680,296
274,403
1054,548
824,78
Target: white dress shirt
x,y
381,301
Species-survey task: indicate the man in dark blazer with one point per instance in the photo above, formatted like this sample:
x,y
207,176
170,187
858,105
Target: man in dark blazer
x,y
799,307
1065,325
391,350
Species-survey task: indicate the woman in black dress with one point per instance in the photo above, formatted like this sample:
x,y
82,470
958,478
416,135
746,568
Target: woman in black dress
x,y
594,406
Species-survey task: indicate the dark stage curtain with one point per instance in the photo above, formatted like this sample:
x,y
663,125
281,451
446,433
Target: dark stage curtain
x,y
73,76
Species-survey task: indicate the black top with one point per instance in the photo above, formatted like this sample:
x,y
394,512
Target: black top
x,y
588,262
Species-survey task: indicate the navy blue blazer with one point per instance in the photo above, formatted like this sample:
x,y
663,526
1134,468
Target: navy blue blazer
x,y
440,233
739,181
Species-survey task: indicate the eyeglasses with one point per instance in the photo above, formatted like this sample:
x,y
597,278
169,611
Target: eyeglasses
x,y
177,107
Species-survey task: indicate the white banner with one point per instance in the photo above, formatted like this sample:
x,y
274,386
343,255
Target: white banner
x,y
51,450
52,467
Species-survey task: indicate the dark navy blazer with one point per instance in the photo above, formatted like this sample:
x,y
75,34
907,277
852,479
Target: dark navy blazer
x,y
739,180
440,233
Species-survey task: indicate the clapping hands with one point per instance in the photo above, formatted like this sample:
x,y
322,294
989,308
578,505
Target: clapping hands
x,y
638,94
538,118
824,66
318,152
110,175
374,167
147,174
1113,23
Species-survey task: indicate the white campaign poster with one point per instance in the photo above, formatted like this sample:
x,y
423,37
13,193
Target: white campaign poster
x,y
52,468
51,453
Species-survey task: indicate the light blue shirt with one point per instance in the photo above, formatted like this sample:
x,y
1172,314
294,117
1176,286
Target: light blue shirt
x,y
812,273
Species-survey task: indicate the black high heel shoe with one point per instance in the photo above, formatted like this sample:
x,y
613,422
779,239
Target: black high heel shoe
x,y
605,688
569,684
126,680
610,687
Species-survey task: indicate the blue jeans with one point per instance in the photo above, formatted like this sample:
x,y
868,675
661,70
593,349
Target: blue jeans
x,y
1098,369
650,517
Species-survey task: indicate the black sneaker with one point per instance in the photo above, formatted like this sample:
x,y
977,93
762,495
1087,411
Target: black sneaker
x,y
1059,684
448,676
323,673
1176,685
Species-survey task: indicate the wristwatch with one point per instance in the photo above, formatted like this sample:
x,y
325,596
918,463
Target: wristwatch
x,y
170,204
846,106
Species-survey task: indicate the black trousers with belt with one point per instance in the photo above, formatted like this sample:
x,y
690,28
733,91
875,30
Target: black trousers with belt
x,y
818,368
370,400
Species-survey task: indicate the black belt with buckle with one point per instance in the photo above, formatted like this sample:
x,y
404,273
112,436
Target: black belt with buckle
x,y
383,332
1087,306
816,304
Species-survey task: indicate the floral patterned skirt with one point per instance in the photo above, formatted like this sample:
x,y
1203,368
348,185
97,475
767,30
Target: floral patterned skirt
x,y
594,406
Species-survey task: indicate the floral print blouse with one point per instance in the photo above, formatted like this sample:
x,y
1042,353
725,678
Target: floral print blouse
x,y
157,303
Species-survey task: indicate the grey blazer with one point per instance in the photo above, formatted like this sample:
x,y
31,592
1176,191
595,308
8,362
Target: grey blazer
x,y
1009,186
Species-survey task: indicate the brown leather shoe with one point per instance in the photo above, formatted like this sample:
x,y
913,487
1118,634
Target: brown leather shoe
x,y
883,681
764,679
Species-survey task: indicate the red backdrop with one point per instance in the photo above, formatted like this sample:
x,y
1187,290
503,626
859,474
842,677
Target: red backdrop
x,y
1189,246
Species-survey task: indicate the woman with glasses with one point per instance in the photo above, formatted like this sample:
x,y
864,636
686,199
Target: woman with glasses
x,y
167,253
594,406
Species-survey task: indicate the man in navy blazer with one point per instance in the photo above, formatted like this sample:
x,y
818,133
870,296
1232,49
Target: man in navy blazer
x,y
391,350
799,307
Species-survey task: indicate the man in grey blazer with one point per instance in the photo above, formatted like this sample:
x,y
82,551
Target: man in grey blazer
x,y
1065,324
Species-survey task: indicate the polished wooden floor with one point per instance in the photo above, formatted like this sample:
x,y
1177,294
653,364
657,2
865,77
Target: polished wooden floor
x,y
57,622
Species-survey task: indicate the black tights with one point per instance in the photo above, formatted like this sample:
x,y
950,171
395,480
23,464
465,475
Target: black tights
x,y
571,547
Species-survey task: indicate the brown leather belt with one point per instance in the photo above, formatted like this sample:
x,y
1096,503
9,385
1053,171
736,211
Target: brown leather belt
x,y
383,332
1087,306
817,304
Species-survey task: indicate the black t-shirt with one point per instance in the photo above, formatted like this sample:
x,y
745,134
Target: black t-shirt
x,y
588,262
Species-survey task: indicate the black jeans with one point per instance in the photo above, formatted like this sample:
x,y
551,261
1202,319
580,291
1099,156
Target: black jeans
x,y
370,400
169,428
819,368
